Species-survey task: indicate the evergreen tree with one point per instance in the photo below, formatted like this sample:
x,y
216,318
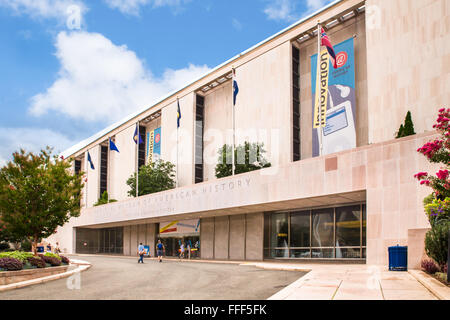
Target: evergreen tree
x,y
409,126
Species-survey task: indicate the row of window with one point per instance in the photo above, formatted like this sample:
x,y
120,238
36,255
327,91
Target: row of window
x,y
338,232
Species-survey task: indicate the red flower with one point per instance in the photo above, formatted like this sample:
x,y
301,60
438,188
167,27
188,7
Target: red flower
x,y
421,175
442,174
426,182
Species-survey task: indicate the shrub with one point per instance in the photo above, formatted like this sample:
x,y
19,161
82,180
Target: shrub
x,y
436,242
36,261
429,266
51,260
53,255
65,259
10,264
19,255
25,246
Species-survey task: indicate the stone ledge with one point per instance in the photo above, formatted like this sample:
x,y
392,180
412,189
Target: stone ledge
x,y
10,277
434,286
81,266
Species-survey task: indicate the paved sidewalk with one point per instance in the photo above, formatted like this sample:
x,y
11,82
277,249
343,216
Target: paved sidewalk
x,y
350,282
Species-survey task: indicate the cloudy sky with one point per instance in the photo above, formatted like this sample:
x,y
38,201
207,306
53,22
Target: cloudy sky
x,y
72,67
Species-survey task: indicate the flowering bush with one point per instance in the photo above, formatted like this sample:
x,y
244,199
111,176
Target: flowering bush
x,y
438,151
429,266
11,264
438,210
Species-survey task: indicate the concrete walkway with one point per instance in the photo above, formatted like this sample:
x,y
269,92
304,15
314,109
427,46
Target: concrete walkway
x,y
350,282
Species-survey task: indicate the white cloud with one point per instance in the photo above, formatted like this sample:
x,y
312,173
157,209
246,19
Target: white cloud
x,y
44,9
101,81
30,139
280,10
286,10
236,24
133,7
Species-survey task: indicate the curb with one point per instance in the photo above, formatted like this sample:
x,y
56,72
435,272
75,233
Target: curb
x,y
81,266
434,286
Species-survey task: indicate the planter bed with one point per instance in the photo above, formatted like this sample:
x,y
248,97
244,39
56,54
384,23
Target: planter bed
x,y
9,277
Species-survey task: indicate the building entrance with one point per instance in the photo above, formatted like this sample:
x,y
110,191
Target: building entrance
x,y
172,246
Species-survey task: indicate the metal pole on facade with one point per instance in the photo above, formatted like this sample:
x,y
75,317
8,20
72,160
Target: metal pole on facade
x,y
319,129
233,120
107,168
87,175
138,139
178,103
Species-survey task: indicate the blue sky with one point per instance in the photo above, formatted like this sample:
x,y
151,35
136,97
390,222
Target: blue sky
x,y
61,84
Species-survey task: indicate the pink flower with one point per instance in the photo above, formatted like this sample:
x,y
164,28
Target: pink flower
x,y
442,174
426,182
420,175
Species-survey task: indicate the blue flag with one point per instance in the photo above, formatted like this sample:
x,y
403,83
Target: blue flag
x,y
178,114
235,91
137,136
90,161
112,146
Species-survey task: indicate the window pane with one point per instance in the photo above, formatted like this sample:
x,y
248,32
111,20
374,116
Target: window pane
x,y
267,230
279,237
364,217
300,229
300,253
348,226
280,253
322,228
322,253
348,253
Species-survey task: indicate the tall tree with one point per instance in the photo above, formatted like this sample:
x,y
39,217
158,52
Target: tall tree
x,y
247,157
155,177
38,193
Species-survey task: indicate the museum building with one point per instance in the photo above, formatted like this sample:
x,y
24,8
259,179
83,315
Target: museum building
x,y
345,191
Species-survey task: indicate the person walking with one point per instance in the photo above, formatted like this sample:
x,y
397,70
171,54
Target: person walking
x,y
141,253
182,250
159,250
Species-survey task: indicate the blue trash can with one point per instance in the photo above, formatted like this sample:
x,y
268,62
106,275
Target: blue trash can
x,y
398,258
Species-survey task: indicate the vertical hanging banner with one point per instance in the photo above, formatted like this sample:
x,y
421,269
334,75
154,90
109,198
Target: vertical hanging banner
x,y
154,145
320,107
338,125
150,143
157,144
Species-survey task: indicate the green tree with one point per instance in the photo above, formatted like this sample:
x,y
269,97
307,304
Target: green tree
x,y
104,199
436,242
38,193
247,157
406,129
155,177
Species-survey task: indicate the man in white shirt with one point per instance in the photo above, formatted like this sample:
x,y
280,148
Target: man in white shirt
x,y
141,253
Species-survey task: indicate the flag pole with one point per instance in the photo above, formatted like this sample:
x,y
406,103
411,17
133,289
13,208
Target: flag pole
x,y
233,120
319,130
138,139
178,103
108,182
87,175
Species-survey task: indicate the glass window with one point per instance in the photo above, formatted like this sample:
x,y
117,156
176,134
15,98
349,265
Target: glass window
x,y
300,230
322,228
348,226
348,253
364,217
279,237
300,253
322,253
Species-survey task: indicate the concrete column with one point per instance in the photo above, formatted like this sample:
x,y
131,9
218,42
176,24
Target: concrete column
x,y
133,240
151,237
126,240
221,237
237,237
207,238
254,236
